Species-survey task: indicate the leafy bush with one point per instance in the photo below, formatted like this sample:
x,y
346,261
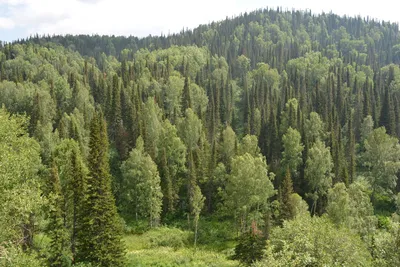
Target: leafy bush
x,y
216,233
159,237
15,257
168,237
383,222
315,241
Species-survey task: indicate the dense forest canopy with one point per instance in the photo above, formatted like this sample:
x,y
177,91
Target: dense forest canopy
x,y
272,136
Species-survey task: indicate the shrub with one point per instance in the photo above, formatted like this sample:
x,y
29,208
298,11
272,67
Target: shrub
x,y
250,248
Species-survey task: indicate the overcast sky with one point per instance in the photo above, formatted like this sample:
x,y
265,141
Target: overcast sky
x,y
21,18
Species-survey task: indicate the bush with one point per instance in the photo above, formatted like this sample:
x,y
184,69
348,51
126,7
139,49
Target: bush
x,y
383,222
250,248
315,241
168,237
15,257
216,233
159,237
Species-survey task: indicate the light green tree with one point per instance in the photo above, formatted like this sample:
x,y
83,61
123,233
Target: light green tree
x,y
190,129
21,199
382,161
227,146
292,151
141,185
197,203
318,171
314,128
152,119
366,127
248,189
289,115
173,92
315,241
351,207
249,145
171,161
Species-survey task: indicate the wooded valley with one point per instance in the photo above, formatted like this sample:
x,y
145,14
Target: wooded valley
x,y
266,139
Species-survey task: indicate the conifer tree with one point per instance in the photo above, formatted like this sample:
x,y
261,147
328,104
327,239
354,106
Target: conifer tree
x,y
186,97
287,209
351,152
56,230
387,118
78,172
99,240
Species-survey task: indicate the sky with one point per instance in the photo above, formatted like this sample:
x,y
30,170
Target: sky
x,y
22,18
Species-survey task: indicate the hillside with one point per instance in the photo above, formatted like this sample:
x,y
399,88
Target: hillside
x,y
271,136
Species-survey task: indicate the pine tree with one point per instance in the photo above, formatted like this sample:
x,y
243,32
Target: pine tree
x,y
56,230
99,240
78,172
287,209
387,117
166,184
351,152
186,98
116,116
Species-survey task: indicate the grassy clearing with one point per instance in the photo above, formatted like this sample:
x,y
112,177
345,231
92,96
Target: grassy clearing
x,y
173,247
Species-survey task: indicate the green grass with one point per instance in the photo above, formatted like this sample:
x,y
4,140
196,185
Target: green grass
x,y
169,257
167,247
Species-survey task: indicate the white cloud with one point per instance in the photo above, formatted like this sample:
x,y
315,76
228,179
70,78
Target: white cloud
x,y
6,23
144,17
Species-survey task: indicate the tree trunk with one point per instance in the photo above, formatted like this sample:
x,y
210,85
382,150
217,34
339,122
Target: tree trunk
x,y
196,223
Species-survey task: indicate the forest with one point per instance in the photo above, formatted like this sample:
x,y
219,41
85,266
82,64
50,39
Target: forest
x,y
266,139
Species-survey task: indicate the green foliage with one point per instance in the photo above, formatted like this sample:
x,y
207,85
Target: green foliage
x,y
190,128
385,245
287,208
248,189
249,145
15,257
314,128
99,236
56,228
227,146
315,241
351,207
292,151
318,171
382,161
159,237
303,90
21,199
141,187
164,246
171,161
197,204
250,248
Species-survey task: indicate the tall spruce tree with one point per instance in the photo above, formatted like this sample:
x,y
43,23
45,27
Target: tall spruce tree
x,y
186,98
56,230
287,208
99,239
387,118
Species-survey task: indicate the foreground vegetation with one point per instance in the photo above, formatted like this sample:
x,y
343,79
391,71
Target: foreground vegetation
x,y
266,139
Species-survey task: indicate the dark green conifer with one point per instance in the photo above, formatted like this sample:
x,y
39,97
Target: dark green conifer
x,y
186,98
387,118
99,239
56,230
287,209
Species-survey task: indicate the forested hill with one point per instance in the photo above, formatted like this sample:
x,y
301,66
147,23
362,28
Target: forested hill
x,y
252,123
265,35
